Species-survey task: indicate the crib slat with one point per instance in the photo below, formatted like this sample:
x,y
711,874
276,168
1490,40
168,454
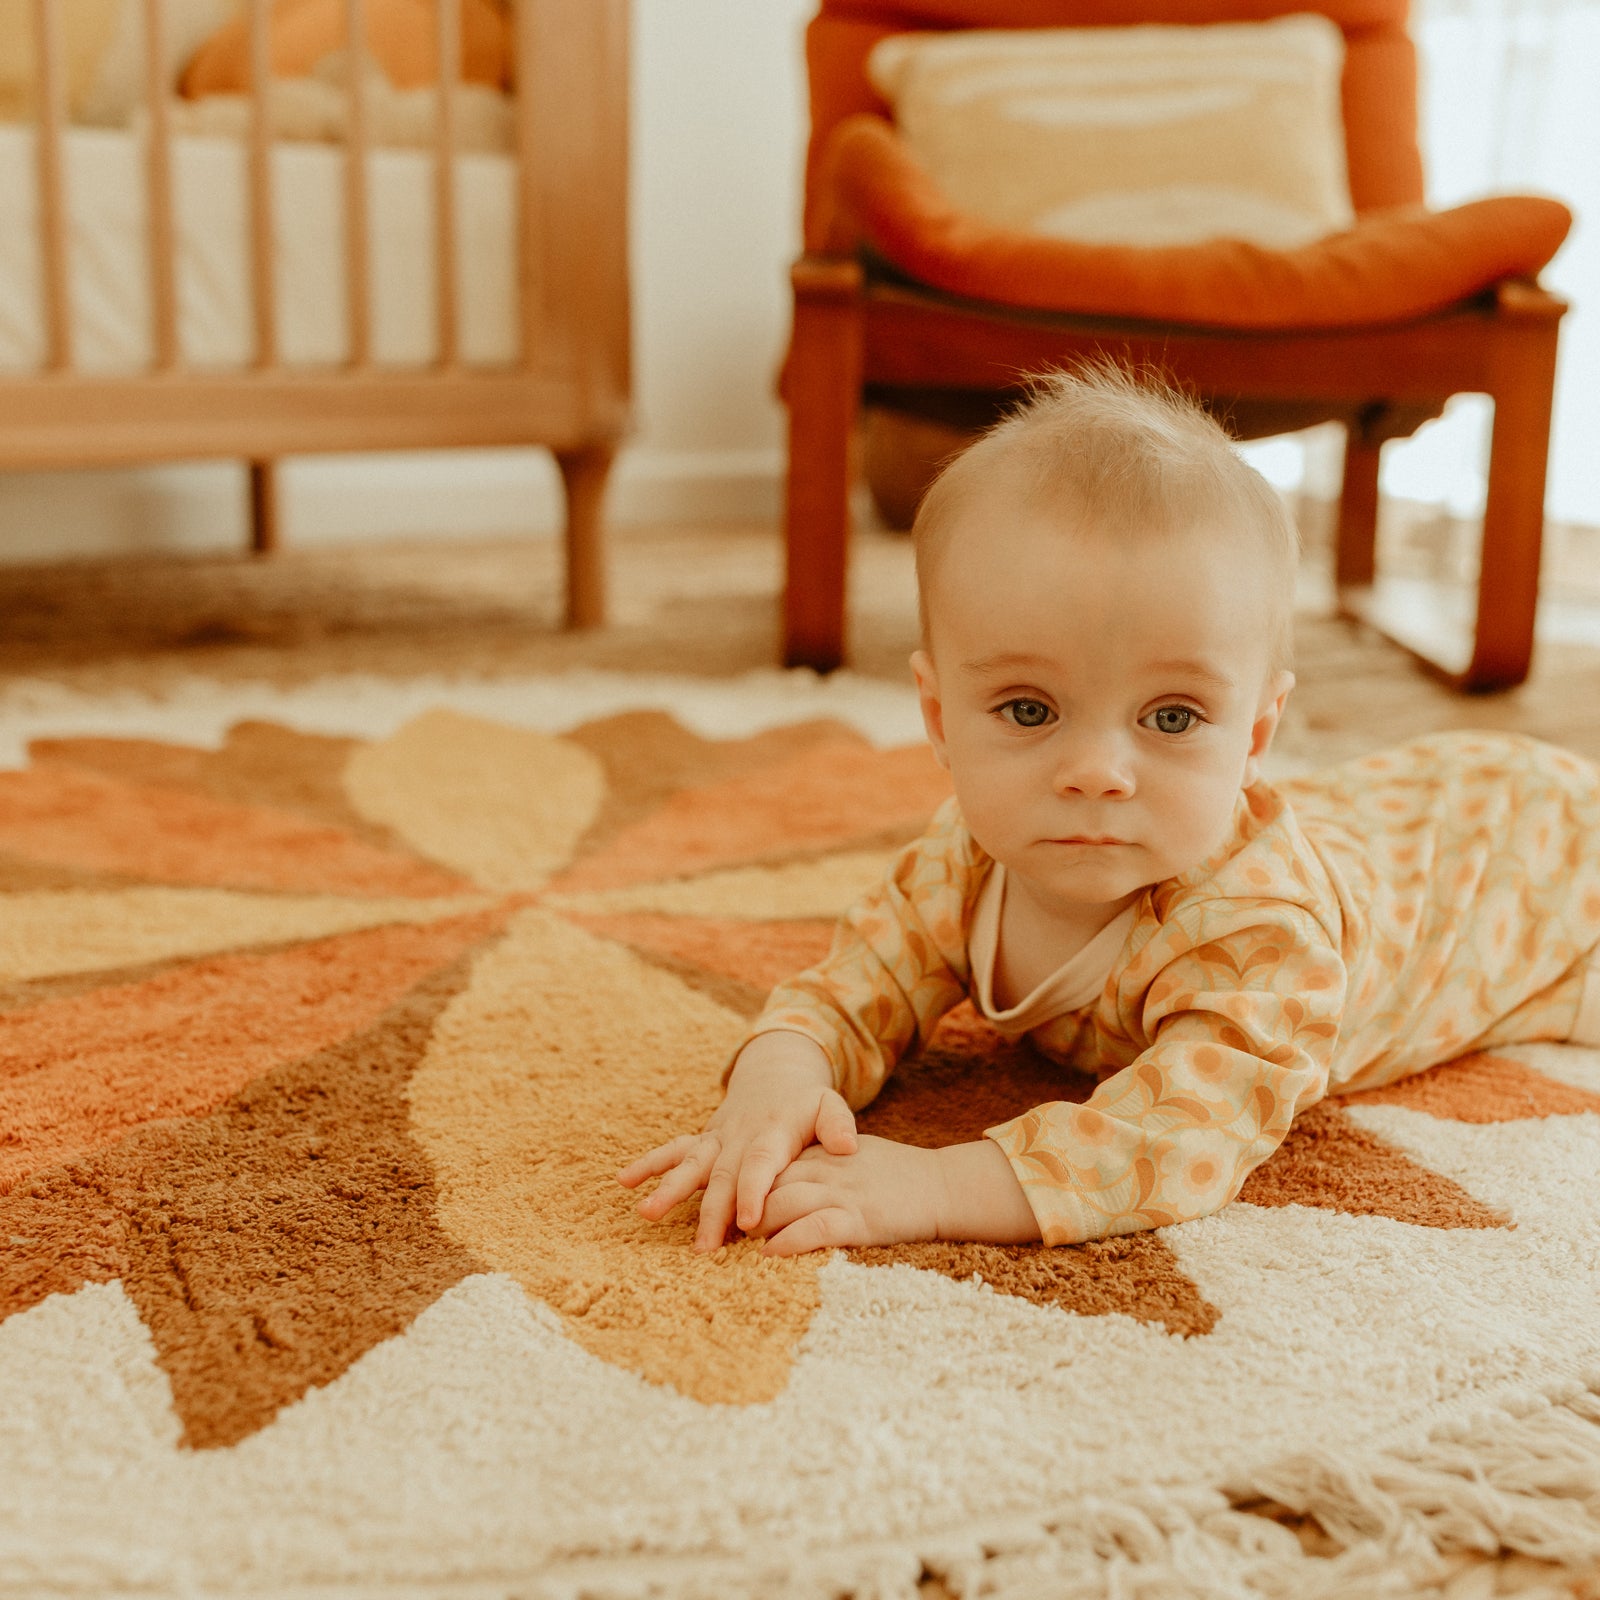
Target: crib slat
x,y
263,281
52,193
356,210
532,159
449,17
158,158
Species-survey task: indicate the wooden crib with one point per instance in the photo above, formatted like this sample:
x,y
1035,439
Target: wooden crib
x,y
563,382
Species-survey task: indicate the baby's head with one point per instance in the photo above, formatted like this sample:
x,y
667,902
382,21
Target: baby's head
x,y
1107,598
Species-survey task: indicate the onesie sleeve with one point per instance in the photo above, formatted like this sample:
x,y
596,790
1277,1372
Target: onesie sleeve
x,y
1242,1029
898,963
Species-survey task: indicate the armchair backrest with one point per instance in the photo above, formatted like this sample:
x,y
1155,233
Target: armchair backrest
x,y
1379,90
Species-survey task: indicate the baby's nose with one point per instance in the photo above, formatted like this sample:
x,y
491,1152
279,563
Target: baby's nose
x,y
1094,767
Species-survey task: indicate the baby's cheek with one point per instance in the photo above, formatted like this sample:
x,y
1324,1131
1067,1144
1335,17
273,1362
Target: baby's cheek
x,y
1197,826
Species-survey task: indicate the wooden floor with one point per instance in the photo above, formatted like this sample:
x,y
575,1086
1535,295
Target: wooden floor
x,y
691,600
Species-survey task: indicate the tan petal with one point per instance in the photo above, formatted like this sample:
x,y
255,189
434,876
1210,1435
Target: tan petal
x,y
821,888
51,932
503,805
565,1057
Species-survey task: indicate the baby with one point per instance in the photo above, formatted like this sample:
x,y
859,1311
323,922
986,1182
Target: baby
x,y
1106,592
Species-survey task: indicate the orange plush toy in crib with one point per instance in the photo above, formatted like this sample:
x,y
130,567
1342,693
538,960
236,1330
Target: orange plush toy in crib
x,y
401,36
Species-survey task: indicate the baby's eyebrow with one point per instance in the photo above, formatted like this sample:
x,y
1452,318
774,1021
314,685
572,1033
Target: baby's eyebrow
x,y
1005,662
1192,669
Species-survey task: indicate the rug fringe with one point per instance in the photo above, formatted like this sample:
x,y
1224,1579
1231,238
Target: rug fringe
x,y
1524,1479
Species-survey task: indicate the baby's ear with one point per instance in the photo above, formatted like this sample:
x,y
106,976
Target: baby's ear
x,y
1270,710
932,706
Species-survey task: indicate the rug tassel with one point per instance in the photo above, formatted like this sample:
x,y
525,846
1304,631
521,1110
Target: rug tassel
x,y
1526,1479
1529,1483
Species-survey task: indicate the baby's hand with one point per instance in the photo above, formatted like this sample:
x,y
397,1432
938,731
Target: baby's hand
x,y
886,1193
780,1097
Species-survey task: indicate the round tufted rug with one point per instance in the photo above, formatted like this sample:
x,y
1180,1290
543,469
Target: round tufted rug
x,y
323,1033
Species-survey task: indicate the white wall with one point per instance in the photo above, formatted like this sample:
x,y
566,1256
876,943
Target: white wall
x,y
718,123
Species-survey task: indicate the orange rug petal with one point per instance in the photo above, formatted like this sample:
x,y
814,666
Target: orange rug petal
x,y
760,954
259,764
79,1074
1481,1088
818,800
163,835
648,757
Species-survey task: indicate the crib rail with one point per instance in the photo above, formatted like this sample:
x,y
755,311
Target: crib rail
x,y
52,101
263,279
158,191
570,377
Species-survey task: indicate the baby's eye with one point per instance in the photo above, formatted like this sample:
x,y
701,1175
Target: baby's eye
x,y
1026,713
1172,719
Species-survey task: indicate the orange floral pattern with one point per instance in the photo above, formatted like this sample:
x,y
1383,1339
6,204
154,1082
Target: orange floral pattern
x,y
1358,926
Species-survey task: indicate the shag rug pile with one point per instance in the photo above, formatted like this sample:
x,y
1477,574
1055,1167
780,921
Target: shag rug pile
x,y
323,1034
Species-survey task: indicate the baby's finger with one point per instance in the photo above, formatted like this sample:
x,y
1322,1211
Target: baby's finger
x,y
653,1162
679,1184
808,1166
836,1124
788,1205
761,1165
827,1229
716,1209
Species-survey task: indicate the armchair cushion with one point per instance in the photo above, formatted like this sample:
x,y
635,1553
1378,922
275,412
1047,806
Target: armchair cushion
x,y
1390,266
1151,134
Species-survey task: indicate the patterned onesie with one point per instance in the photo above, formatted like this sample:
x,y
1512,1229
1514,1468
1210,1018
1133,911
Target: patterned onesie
x,y
1356,927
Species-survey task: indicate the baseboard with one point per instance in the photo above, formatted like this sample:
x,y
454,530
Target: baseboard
x,y
195,507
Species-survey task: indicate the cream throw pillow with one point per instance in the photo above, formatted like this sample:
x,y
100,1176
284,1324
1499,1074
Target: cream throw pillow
x,y
1148,135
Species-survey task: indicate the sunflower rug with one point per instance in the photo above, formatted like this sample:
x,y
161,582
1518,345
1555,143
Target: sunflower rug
x,y
325,1024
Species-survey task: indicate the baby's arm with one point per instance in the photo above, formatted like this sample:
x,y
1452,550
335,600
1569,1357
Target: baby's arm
x,y
827,1038
891,1193
1243,1027
780,1097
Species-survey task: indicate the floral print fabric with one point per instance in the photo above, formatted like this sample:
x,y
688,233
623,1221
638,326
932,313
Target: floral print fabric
x,y
1357,926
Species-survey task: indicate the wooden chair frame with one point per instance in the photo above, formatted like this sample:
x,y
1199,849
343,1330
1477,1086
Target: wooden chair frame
x,y
568,390
854,331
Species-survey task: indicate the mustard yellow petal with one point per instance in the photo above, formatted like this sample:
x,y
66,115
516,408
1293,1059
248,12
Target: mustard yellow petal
x,y
505,806
563,1059
50,933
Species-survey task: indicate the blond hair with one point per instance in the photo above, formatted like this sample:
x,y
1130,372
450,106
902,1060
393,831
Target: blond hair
x,y
1129,456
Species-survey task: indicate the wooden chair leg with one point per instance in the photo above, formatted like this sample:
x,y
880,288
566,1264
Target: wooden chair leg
x,y
823,388
1513,515
583,475
1494,650
1355,563
264,507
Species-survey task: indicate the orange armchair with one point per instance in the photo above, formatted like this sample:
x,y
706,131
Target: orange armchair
x,y
905,301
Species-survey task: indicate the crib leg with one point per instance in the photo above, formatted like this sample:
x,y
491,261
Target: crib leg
x,y
583,473
263,507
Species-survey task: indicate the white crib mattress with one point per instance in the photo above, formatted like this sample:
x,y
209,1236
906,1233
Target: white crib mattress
x,y
109,252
